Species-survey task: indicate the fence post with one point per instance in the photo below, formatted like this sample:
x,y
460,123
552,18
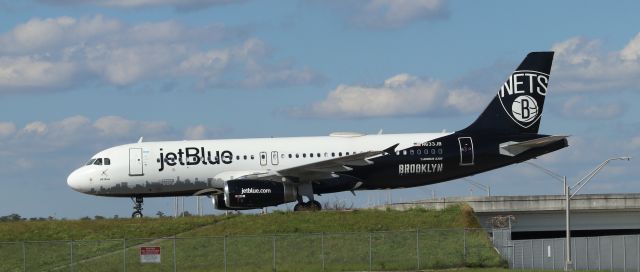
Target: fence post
x,y
464,243
322,248
175,260
71,255
124,254
370,253
611,256
24,257
586,249
532,258
599,255
224,249
624,253
274,254
418,248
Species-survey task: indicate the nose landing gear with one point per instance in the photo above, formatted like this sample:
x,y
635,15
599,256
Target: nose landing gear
x,y
137,207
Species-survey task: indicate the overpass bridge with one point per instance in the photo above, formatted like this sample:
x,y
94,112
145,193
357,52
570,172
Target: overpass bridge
x,y
542,216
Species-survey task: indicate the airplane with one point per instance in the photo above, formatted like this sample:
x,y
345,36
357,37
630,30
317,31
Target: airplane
x,y
239,174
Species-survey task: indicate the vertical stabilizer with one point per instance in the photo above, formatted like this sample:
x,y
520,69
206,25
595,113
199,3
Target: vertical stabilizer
x,y
517,108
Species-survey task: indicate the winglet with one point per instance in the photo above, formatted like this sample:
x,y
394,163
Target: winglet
x,y
391,149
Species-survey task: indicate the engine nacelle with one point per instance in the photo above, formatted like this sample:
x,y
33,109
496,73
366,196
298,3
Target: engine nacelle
x,y
257,193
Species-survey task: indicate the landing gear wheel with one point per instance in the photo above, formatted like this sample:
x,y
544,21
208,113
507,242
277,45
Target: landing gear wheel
x,y
314,205
137,207
307,206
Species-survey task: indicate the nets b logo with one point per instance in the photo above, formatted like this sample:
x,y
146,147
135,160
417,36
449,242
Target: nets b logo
x,y
522,96
524,108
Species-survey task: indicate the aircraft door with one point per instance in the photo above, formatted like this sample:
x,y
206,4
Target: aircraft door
x,y
135,162
263,158
274,157
466,150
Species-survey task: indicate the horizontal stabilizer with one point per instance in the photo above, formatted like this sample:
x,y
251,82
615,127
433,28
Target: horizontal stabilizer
x,y
515,148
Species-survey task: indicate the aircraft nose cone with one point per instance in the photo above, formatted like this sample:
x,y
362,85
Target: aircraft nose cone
x,y
75,181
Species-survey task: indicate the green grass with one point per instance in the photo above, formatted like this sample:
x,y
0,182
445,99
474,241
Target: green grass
x,y
302,242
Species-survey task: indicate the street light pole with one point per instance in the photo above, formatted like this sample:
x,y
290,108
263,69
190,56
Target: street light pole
x,y
567,208
567,199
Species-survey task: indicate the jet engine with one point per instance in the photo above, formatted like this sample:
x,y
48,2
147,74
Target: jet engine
x,y
247,193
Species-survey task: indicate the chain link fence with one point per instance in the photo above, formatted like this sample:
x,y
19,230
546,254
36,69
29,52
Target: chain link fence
x,y
615,252
361,251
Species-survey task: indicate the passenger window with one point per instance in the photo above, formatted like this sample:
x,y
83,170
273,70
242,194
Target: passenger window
x,y
107,161
411,152
418,152
245,157
289,156
347,153
319,155
326,154
310,155
297,155
98,162
304,155
263,156
252,157
440,151
333,154
282,156
433,151
404,152
237,157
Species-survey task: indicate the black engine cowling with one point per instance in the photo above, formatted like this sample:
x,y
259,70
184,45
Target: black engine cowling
x,y
218,203
257,193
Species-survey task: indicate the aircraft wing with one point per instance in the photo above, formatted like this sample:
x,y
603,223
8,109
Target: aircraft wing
x,y
326,168
515,148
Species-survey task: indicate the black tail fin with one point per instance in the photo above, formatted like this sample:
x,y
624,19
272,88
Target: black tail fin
x,y
518,106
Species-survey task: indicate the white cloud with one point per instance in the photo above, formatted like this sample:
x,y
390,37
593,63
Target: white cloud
x,y
30,72
7,129
41,35
581,65
402,94
578,107
389,14
114,126
177,4
466,100
198,132
65,53
35,128
81,133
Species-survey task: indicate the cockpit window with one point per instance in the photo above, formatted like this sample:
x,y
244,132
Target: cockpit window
x,y
90,162
107,161
98,162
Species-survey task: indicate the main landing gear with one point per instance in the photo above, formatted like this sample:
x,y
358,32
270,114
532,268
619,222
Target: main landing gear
x,y
306,189
137,207
312,205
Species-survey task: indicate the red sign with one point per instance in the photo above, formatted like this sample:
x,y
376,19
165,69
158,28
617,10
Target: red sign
x,y
149,254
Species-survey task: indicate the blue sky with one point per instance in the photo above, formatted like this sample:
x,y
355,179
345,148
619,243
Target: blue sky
x,y
80,76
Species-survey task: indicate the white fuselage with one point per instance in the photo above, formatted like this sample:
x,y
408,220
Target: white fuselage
x,y
182,167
